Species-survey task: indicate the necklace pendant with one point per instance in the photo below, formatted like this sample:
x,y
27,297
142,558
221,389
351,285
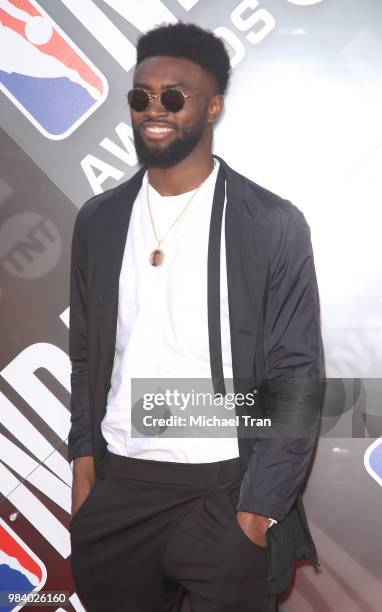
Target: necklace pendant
x,y
156,257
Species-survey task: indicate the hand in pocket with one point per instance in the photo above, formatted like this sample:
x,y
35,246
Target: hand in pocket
x,y
254,526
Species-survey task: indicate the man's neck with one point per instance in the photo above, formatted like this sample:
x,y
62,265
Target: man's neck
x,y
183,177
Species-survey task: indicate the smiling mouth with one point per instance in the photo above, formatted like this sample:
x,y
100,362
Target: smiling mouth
x,y
157,132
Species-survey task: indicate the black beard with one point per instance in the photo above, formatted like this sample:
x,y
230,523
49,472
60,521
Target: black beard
x,y
179,149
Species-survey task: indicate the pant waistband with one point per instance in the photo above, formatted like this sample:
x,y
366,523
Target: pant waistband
x,y
197,474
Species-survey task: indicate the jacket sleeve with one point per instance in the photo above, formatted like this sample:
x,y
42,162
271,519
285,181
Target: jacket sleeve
x,y
291,392
80,439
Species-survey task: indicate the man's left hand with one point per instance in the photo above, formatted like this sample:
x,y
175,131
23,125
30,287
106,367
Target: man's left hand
x,y
255,526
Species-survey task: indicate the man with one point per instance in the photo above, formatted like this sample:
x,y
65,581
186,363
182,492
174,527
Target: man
x,y
189,270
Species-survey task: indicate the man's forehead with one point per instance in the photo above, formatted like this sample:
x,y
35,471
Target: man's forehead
x,y
163,71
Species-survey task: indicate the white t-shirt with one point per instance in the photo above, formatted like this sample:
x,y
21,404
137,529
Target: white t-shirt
x,y
162,326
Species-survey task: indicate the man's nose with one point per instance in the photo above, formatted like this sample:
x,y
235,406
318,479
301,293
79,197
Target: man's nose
x,y
155,107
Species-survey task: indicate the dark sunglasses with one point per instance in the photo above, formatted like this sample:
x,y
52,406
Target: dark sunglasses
x,y
172,100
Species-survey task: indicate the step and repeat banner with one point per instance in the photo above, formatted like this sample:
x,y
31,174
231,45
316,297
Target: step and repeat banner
x,y
302,118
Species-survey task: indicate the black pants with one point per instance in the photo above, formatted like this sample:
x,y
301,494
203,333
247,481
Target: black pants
x,y
148,526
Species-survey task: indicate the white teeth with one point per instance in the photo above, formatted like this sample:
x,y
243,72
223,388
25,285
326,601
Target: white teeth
x,y
157,129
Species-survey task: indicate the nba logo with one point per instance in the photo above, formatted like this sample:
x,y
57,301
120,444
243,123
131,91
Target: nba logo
x,y
43,72
373,460
20,568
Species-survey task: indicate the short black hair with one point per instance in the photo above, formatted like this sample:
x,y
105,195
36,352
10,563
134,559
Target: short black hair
x,y
188,41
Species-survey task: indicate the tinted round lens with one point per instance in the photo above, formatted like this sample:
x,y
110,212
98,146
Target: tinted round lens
x,y
172,100
138,99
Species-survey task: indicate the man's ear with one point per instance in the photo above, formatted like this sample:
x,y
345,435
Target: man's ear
x,y
215,108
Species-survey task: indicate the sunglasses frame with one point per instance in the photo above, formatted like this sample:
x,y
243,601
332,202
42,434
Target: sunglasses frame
x,y
152,96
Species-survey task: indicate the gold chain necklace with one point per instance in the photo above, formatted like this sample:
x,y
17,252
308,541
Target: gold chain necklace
x,y
157,255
